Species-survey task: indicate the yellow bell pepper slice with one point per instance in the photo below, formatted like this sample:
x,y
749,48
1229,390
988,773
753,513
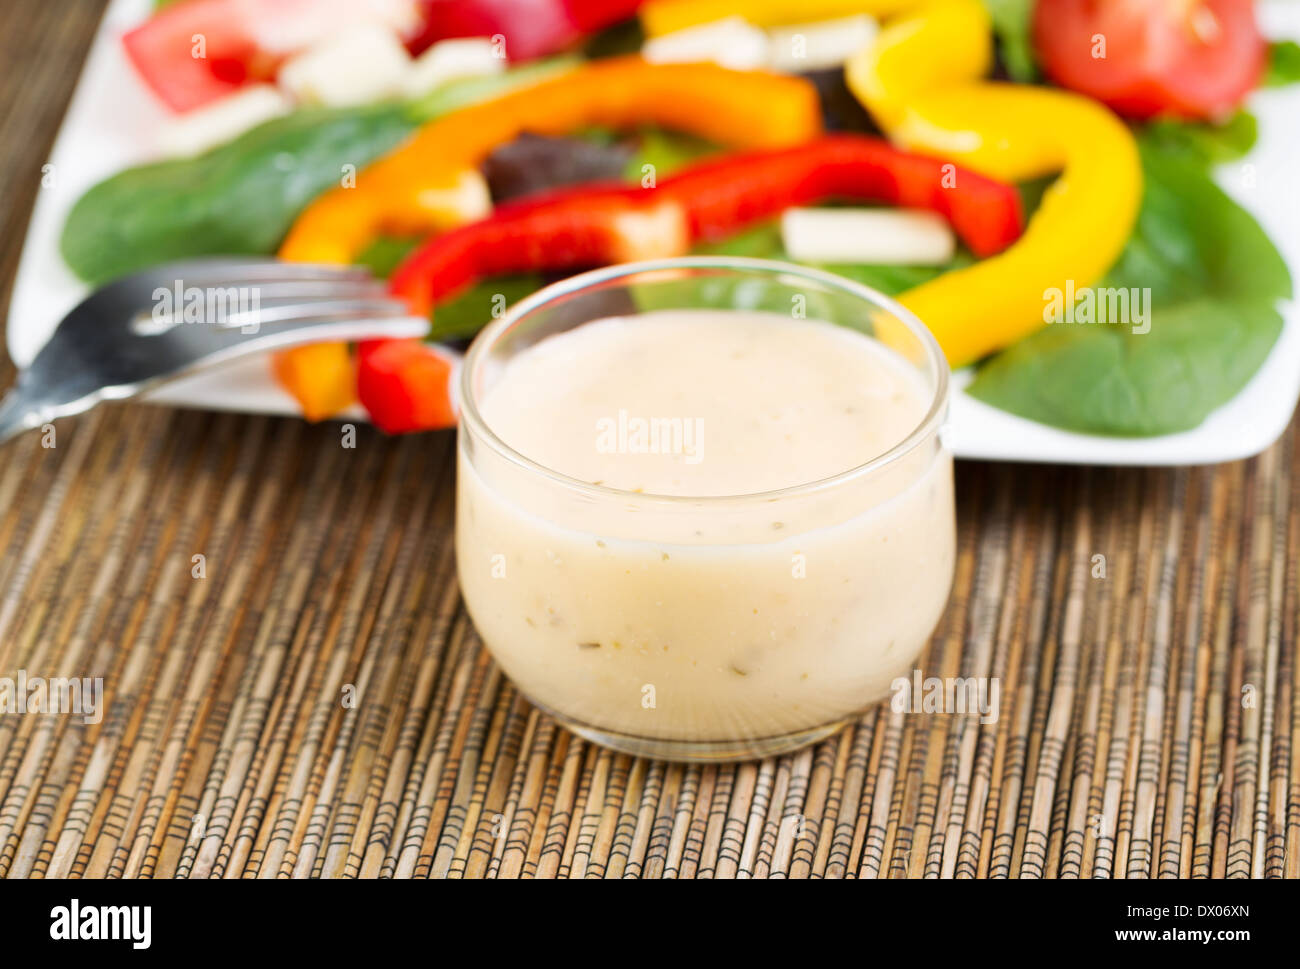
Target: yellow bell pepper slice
x,y
947,44
919,79
660,17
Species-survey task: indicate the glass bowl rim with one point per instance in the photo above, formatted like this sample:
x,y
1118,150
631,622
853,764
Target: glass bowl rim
x,y
472,421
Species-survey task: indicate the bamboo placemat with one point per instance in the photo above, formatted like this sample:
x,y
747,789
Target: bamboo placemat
x,y
309,698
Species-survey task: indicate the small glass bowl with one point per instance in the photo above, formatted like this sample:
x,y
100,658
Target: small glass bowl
x,y
610,613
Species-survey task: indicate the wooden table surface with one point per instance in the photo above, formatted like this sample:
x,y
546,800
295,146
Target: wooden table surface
x,y
313,700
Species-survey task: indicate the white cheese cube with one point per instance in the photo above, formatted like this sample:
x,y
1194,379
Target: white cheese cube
x,y
732,42
363,65
903,237
448,60
817,46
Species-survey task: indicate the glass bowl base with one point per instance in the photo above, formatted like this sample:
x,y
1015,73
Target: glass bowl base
x,y
696,751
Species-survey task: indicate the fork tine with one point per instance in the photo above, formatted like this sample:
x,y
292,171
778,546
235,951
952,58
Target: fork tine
x,y
304,270
309,289
317,310
345,326
235,270
104,348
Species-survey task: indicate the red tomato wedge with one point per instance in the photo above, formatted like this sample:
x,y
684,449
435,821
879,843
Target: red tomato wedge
x,y
195,52
1186,58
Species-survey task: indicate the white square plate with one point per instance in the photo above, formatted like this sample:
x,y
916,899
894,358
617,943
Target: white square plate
x,y
113,120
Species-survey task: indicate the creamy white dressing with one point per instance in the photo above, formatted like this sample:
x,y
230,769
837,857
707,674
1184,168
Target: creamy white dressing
x,y
722,618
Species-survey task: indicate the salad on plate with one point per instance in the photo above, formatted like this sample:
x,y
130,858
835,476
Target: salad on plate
x,y
1033,178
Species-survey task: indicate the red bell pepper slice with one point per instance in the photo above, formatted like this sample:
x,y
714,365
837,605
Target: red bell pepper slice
x,y
714,199
405,385
561,229
531,28
724,195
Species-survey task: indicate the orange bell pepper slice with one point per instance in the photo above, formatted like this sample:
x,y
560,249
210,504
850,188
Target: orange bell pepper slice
x,y
403,192
320,376
420,188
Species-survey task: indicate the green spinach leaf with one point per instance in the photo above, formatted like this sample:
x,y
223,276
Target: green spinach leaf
x,y
1212,144
237,199
1012,28
384,255
240,198
1283,63
464,315
1214,280
665,152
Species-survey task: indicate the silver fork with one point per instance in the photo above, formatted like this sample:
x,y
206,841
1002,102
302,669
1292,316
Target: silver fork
x,y
123,339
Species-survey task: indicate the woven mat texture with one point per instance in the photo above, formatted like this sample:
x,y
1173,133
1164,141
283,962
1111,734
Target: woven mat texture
x,y
1148,720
